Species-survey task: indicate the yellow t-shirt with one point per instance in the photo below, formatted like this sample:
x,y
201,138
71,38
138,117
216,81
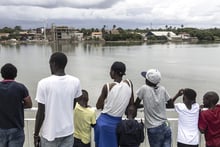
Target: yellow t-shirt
x,y
83,118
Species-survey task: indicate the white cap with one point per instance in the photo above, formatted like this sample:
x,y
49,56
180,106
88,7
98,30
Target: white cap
x,y
152,75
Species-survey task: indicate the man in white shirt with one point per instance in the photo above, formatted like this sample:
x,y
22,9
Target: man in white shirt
x,y
55,96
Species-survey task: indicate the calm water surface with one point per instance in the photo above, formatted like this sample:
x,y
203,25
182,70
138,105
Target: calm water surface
x,y
182,65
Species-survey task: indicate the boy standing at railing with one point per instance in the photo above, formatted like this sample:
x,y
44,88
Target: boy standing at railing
x,y
130,132
154,98
188,111
84,120
209,120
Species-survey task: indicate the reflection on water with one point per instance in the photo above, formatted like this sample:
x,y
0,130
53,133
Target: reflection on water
x,y
182,65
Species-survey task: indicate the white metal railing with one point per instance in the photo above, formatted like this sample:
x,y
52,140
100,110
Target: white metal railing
x,y
173,121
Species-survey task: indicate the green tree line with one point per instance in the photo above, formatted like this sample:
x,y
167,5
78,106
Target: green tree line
x,y
212,34
13,32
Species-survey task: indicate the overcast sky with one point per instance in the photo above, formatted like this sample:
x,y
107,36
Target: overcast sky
x,y
122,13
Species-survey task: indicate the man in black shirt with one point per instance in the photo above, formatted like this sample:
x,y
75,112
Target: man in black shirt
x,y
14,97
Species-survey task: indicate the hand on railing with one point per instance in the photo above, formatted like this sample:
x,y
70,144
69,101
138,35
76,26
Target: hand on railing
x,y
36,141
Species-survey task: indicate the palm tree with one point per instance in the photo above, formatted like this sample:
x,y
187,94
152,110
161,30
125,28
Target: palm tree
x,y
103,28
182,26
114,26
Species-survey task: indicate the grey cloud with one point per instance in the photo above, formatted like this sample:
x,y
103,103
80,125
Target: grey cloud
x,y
98,23
96,13
36,3
137,11
60,3
99,5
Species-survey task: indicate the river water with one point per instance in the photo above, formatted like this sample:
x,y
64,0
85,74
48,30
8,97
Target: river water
x,y
181,65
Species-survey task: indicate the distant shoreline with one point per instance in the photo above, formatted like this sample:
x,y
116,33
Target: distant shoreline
x,y
9,42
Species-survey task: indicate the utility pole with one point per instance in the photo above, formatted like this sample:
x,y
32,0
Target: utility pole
x,y
45,24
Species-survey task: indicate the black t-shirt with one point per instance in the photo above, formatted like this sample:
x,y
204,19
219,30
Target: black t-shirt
x,y
12,96
130,133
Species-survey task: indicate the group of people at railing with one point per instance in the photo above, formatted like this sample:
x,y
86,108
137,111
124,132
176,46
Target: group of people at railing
x,y
64,118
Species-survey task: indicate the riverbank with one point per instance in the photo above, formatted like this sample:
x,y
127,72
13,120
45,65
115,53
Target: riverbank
x,y
129,42
70,42
10,42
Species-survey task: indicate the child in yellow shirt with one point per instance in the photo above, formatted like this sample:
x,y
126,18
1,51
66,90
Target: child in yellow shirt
x,y
84,120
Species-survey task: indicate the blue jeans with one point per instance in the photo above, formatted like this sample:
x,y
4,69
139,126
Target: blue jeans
x,y
11,137
66,141
159,136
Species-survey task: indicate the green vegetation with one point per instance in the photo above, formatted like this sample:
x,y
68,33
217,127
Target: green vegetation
x,y
122,37
13,32
201,34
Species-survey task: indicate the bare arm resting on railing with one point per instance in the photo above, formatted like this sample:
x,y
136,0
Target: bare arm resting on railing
x,y
137,103
27,102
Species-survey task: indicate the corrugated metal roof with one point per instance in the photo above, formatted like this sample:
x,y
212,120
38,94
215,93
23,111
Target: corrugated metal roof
x,y
163,33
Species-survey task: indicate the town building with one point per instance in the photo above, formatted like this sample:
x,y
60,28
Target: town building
x,y
63,33
96,35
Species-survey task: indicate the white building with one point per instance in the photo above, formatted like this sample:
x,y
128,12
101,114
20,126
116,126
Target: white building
x,y
168,34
